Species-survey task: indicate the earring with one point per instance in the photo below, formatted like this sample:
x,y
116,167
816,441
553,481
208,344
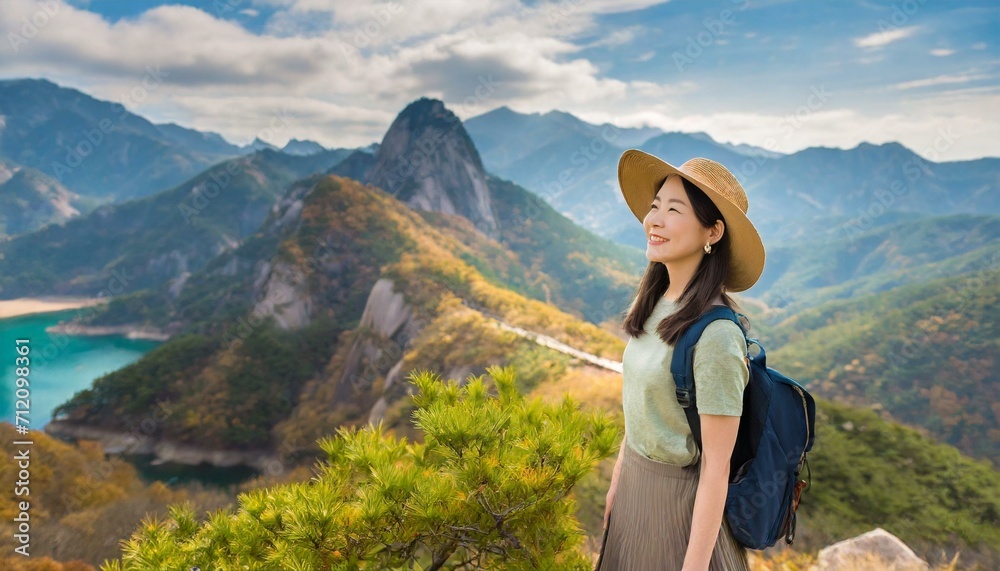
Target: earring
x,y
708,248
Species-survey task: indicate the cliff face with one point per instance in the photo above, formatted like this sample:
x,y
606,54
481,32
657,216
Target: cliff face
x,y
428,161
389,321
30,200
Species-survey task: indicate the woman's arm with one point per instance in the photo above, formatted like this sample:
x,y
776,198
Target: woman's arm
x,y
718,435
610,498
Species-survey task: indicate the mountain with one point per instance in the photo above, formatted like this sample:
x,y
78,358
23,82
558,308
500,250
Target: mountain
x,y
96,148
504,136
211,144
307,324
811,196
911,250
428,161
573,164
358,165
818,193
297,147
30,200
343,272
151,241
923,353
259,145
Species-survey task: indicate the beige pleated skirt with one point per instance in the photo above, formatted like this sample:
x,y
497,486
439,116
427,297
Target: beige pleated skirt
x,y
650,520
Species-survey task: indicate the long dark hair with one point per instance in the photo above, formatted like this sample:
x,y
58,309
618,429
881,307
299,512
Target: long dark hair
x,y
707,282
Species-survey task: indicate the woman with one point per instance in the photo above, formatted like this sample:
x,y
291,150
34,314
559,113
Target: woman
x,y
665,503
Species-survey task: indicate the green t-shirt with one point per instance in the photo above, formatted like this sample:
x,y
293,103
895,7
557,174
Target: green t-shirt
x,y
655,424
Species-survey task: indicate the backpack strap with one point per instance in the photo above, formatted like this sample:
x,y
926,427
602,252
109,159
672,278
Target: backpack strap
x,y
682,364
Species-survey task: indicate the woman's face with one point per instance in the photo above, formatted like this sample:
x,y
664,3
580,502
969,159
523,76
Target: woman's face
x,y
672,217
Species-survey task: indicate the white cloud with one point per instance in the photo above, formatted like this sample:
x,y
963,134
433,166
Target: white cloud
x,y
277,119
384,55
868,60
941,52
944,127
654,91
939,80
341,71
884,38
617,37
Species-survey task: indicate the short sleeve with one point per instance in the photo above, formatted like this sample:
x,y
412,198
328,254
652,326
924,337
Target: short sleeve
x,y
720,369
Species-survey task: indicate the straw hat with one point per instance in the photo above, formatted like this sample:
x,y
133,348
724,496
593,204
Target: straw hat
x,y
641,175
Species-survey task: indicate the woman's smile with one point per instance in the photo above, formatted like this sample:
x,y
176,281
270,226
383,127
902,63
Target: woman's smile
x,y
655,240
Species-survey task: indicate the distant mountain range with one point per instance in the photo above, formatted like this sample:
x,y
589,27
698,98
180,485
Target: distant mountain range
x,y
155,240
813,195
95,152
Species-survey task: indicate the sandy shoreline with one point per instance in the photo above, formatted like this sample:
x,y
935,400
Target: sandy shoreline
x,y
29,305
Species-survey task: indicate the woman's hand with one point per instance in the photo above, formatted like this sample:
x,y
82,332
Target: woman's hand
x,y
610,498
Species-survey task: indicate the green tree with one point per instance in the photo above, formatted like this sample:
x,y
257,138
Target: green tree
x,y
488,488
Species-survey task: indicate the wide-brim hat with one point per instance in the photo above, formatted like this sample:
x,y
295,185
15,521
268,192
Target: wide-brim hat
x,y
641,175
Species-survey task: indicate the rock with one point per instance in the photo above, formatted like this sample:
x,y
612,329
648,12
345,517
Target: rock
x,y
135,441
387,317
876,550
385,311
286,297
191,455
428,161
128,331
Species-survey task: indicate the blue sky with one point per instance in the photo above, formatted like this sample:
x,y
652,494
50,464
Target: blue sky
x,y
781,74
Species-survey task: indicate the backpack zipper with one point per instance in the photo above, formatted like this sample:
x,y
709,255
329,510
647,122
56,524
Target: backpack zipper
x,y
805,416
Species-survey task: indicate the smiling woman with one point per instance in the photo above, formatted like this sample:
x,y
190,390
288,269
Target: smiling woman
x,y
666,499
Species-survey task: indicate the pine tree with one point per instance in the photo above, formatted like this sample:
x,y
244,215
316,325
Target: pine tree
x,y
488,488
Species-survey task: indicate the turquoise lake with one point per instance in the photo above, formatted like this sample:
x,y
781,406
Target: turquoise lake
x,y
61,365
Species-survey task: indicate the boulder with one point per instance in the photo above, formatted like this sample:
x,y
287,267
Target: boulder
x,y
876,550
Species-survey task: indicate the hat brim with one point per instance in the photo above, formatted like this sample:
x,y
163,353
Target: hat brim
x,y
640,176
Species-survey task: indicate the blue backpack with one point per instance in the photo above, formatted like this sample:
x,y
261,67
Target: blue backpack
x,y
777,428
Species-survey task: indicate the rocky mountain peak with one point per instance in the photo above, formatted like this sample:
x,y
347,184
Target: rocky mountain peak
x,y
428,161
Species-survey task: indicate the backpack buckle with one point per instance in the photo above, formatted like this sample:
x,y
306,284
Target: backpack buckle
x,y
684,398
